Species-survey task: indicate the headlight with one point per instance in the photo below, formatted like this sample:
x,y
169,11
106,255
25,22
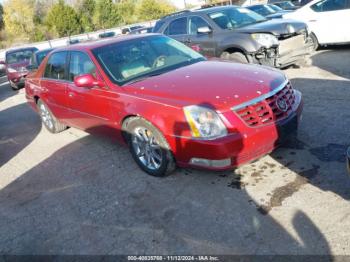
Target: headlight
x,y
266,40
11,70
204,122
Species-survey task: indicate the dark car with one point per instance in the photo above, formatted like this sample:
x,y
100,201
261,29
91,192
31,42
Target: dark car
x,y
167,102
143,30
285,5
267,11
37,58
239,34
348,159
16,61
127,30
106,34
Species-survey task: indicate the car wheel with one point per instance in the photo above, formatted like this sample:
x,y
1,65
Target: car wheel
x,y
148,147
236,57
315,44
48,119
14,86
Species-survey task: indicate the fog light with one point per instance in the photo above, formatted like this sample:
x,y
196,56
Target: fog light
x,y
211,163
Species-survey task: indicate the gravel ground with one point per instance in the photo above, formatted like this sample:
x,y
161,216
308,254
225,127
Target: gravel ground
x,y
73,193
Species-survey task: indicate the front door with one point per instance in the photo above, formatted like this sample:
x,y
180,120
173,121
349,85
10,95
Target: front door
x,y
90,107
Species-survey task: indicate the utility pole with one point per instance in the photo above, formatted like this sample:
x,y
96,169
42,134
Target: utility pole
x,y
185,4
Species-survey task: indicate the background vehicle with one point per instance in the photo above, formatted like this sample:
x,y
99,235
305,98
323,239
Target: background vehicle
x,y
239,34
328,21
268,11
37,58
2,68
285,5
16,61
106,34
162,98
143,30
127,30
73,41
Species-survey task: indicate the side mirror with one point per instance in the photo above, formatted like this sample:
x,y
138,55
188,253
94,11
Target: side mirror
x,y
88,81
204,30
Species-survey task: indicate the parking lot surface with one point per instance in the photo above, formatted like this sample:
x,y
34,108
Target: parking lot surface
x,y
74,193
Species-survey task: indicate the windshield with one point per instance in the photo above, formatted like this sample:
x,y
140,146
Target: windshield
x,y
276,8
286,4
19,56
231,18
136,59
262,9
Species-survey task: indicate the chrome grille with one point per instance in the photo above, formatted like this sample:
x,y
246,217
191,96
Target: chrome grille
x,y
266,110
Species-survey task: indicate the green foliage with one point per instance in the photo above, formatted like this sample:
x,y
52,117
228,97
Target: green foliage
x,y
1,17
63,19
153,9
86,10
107,14
18,18
127,10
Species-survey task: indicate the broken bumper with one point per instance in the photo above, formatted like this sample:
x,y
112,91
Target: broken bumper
x,y
289,52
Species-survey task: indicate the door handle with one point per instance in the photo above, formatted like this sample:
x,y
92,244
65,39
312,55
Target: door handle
x,y
70,94
187,41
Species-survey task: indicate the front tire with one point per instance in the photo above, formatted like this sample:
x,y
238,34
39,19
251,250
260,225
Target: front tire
x,y
148,147
48,119
236,57
315,44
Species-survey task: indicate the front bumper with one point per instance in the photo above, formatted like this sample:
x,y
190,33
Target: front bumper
x,y
348,159
288,53
243,146
17,79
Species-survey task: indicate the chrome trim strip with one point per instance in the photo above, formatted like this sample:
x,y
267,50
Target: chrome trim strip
x,y
260,98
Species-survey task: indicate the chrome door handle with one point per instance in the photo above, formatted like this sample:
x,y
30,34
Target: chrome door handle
x,y
70,94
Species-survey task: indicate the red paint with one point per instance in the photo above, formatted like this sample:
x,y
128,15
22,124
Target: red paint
x,y
160,100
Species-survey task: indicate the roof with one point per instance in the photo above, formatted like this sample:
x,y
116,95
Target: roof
x,y
20,49
102,42
202,10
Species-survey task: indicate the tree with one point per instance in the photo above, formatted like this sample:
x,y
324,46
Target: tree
x,y
63,19
107,14
153,9
86,10
1,18
18,17
127,11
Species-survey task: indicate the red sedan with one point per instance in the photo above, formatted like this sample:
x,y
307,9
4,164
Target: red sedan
x,y
167,102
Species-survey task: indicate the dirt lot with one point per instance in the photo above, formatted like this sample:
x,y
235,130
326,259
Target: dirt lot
x,y
74,193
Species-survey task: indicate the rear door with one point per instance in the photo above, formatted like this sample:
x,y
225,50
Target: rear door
x,y
329,20
54,85
90,107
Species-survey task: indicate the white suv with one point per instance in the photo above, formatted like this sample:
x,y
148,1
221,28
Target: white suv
x,y
328,20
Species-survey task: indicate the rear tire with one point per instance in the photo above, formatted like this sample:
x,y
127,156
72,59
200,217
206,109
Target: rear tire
x,y
148,147
48,119
235,56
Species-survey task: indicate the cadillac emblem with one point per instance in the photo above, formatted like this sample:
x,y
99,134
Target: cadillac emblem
x,y
281,104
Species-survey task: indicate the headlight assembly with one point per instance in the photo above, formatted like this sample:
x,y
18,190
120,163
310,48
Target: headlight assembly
x,y
204,122
266,40
11,70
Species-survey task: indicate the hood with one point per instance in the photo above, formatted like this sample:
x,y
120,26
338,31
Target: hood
x,y
19,65
276,26
218,84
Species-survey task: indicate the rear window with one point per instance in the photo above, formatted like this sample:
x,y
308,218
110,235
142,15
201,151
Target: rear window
x,y
177,27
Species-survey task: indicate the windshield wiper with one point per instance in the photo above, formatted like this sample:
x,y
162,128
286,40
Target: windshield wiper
x,y
138,79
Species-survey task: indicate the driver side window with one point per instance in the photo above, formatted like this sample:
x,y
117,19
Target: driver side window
x,y
196,22
80,64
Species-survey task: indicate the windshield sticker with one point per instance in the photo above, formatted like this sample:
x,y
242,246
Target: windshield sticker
x,y
243,10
